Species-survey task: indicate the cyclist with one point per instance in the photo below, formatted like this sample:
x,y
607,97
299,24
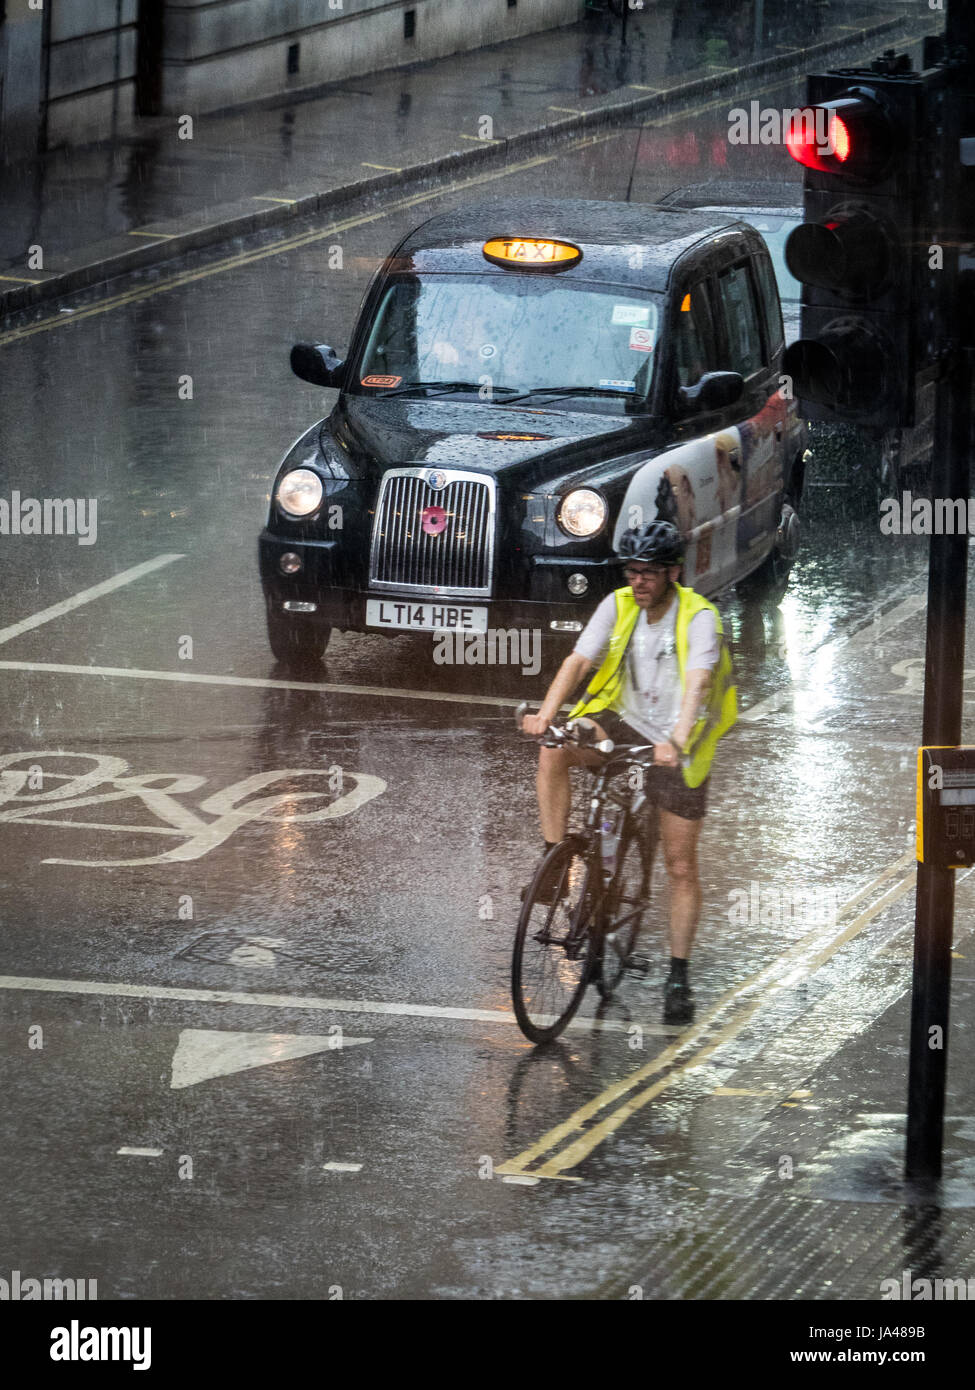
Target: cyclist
x,y
658,651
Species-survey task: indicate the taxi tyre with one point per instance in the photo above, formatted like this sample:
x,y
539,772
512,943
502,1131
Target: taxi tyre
x,y
296,644
771,577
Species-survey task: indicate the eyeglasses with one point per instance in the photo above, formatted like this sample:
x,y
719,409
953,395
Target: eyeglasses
x,y
645,572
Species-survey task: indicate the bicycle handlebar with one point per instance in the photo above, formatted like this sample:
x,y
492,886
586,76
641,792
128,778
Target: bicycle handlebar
x,y
580,734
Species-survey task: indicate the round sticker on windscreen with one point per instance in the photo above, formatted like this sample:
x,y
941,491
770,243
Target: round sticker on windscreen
x,y
641,339
488,349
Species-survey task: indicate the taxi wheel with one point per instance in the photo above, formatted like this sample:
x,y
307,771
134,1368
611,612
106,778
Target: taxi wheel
x,y
772,575
295,644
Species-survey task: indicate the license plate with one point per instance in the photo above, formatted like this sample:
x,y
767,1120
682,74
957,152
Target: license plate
x,y
425,617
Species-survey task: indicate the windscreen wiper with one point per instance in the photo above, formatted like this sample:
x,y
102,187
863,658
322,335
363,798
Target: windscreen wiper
x,y
441,388
555,391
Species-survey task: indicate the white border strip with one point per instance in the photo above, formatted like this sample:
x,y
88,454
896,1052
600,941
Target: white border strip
x,y
107,586
300,1001
258,683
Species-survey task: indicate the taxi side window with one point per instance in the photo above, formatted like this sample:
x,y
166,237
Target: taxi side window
x,y
771,309
693,336
742,333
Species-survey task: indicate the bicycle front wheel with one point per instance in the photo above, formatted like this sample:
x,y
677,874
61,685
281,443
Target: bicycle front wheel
x,y
627,907
554,946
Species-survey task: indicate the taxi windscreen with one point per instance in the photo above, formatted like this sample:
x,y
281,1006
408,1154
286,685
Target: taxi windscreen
x,y
512,333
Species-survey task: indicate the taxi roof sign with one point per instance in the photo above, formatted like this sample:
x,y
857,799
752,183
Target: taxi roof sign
x,y
531,253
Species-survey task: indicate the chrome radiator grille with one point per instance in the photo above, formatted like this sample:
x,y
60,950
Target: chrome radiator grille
x,y
459,560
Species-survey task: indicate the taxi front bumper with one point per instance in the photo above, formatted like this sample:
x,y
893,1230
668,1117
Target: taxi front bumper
x,y
326,594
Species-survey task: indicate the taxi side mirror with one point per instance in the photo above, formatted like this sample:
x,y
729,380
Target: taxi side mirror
x,y
714,391
317,364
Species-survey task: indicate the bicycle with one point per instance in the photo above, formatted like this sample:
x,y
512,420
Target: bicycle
x,y
584,909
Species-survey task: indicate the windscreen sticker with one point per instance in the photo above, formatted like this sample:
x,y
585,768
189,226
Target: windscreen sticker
x,y
641,339
631,313
617,385
380,380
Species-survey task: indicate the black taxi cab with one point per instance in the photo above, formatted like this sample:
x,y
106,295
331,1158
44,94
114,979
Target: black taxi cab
x,y
526,379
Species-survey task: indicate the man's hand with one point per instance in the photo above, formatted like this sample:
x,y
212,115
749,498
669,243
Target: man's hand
x,y
534,725
665,754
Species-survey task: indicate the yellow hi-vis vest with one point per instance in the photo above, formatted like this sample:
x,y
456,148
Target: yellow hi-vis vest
x,y
605,690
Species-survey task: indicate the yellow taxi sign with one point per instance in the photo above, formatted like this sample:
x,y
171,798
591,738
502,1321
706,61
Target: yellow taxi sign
x,y
531,252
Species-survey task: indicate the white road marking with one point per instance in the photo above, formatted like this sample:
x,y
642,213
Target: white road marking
x,y
107,586
521,1180
300,1001
140,1153
865,635
342,1167
203,1053
257,682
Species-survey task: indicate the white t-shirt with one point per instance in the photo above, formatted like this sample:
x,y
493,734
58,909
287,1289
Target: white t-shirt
x,y
651,695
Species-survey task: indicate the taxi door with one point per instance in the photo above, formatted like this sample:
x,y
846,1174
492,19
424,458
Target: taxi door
x,y
750,330
701,486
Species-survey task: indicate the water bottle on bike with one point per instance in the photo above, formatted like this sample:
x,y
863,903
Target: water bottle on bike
x,y
610,837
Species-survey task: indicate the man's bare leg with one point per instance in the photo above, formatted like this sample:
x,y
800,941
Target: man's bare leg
x,y
679,837
554,788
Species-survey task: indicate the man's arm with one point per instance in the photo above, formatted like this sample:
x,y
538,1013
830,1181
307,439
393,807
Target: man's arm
x,y
574,669
695,684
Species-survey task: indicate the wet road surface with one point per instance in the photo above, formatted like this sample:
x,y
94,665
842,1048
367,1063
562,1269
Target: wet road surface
x,y
267,943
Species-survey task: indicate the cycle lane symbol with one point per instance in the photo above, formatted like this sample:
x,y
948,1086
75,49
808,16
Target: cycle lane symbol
x,y
231,807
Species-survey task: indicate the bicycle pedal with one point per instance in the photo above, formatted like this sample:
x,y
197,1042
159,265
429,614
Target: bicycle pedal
x,y
639,964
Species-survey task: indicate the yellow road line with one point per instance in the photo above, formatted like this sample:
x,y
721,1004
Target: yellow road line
x,y
569,110
156,236
266,198
22,279
389,168
244,258
591,1138
482,139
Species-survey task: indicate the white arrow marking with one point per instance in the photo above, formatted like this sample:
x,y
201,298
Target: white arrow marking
x,y
202,1053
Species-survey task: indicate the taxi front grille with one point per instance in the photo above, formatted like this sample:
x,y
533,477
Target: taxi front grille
x,y
456,562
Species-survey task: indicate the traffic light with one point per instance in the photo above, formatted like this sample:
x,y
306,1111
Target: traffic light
x,y
860,253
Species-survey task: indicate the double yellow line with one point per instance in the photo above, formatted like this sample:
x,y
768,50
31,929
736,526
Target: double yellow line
x,y
552,1157
139,293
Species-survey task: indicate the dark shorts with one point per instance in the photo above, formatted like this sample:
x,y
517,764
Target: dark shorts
x,y
665,786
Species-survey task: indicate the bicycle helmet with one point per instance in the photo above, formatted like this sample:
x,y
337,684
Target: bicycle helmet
x,y
658,541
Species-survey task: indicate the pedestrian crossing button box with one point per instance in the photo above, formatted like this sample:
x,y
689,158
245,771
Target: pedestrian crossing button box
x,y
946,806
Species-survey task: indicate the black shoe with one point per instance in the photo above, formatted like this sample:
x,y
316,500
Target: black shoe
x,y
678,1002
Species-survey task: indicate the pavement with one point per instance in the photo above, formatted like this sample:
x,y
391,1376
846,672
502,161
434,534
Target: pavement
x,y
169,188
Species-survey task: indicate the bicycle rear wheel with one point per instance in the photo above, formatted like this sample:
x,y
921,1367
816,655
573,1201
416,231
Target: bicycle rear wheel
x,y
554,946
627,906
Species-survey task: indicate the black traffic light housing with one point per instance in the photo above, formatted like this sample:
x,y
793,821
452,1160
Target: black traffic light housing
x,y
860,253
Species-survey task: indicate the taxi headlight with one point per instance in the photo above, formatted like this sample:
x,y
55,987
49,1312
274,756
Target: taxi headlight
x,y
582,512
300,492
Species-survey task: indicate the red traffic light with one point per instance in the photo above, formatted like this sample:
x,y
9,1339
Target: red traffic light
x,y
850,136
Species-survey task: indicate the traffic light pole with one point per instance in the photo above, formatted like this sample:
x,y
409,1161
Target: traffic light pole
x,y
944,658
944,661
